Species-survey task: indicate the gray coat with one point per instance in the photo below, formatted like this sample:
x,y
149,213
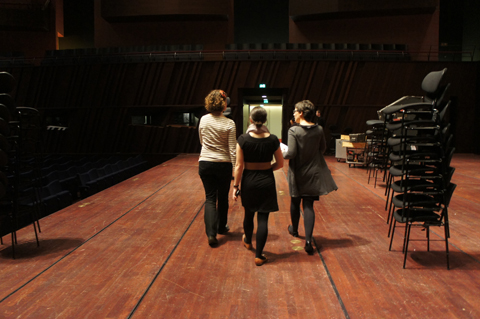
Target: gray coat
x,y
308,173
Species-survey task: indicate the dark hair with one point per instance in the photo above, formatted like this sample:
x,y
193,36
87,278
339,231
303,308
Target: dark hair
x,y
214,101
308,110
258,115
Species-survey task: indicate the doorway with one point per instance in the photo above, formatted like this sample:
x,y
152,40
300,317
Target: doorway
x,y
272,100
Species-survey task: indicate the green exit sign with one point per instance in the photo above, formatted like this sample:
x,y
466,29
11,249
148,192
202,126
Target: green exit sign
x,y
262,85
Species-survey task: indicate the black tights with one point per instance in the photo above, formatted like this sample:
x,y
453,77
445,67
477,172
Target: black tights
x,y
262,230
308,215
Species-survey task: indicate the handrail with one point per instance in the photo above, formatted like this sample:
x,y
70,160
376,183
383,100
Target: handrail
x,y
177,54
23,6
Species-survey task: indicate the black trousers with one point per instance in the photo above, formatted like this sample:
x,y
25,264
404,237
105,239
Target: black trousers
x,y
216,178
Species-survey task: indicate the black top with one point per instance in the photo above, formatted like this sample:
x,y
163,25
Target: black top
x,y
321,121
258,150
308,173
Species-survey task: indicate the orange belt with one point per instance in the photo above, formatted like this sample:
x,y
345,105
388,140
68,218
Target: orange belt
x,y
258,166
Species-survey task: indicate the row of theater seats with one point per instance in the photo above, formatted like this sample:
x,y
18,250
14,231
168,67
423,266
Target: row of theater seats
x,y
57,182
65,180
241,51
128,49
317,46
133,54
316,51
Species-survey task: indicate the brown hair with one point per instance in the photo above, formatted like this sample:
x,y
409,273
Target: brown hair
x,y
307,108
215,101
258,115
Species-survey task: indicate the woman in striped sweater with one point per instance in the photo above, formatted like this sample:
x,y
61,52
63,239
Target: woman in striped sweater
x,y
218,139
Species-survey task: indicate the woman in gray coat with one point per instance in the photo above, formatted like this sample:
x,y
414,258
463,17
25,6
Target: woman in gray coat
x,y
308,173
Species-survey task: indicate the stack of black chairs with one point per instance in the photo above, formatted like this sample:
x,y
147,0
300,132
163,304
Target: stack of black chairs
x,y
420,150
377,149
6,109
21,131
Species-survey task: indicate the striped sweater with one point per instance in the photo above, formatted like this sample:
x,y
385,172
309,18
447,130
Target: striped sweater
x,y
218,139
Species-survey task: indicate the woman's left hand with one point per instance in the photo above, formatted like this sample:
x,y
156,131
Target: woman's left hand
x,y
235,193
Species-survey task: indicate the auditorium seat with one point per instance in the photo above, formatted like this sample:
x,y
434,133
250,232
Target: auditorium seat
x,y
55,198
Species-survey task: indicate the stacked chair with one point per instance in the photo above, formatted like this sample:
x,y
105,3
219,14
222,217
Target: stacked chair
x,y
6,109
419,150
377,154
29,188
19,204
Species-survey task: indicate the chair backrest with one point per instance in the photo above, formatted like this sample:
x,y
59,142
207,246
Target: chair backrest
x,y
101,172
52,176
432,80
54,187
441,114
448,140
5,113
64,166
7,82
84,178
431,85
448,175
108,169
93,173
72,171
7,100
449,193
100,163
440,94
449,156
85,167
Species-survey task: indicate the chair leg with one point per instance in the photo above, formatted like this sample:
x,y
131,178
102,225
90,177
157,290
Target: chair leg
x,y
387,190
405,236
446,247
407,227
392,228
446,224
14,235
427,229
390,211
389,222
36,234
385,175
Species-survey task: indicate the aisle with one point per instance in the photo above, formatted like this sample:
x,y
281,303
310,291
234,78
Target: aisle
x,y
139,250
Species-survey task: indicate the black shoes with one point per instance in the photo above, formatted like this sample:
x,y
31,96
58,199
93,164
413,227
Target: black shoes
x,y
212,241
224,230
309,248
291,232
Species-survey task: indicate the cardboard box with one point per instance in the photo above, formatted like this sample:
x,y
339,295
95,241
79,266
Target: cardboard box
x,y
358,137
353,145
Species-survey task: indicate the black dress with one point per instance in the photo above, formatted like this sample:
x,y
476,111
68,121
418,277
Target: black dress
x,y
259,193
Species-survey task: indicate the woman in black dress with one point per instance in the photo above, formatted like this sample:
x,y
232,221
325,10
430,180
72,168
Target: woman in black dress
x,y
254,168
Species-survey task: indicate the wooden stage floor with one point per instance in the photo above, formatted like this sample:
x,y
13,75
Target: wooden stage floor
x,y
139,250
